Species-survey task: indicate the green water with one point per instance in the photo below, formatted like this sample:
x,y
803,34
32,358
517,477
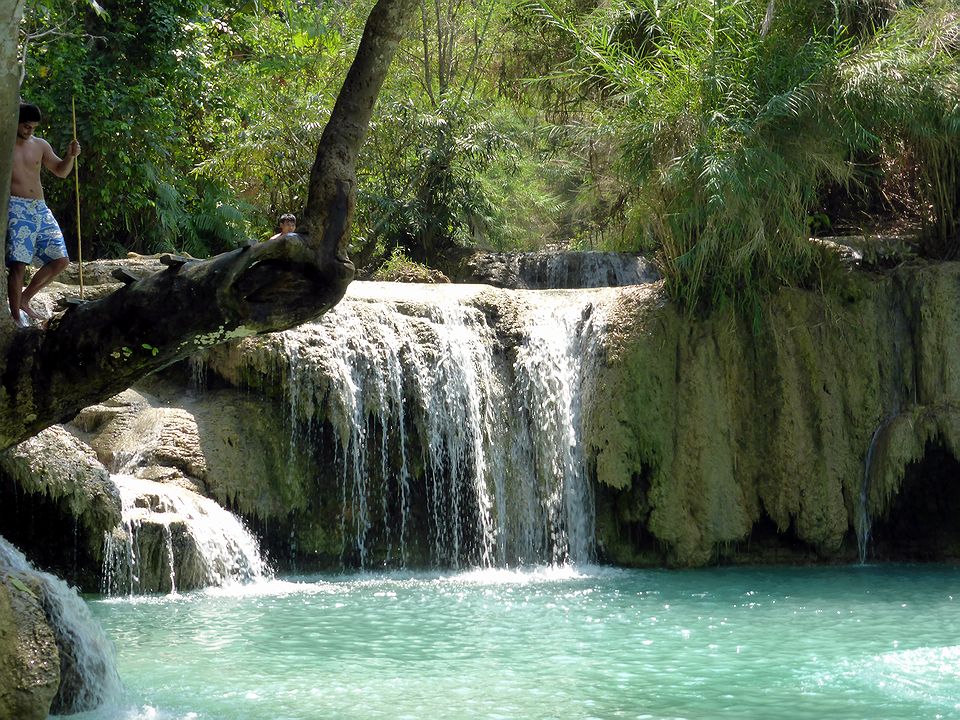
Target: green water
x,y
851,642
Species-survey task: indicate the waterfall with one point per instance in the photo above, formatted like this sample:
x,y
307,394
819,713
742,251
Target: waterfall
x,y
546,270
88,675
171,538
455,416
864,521
591,269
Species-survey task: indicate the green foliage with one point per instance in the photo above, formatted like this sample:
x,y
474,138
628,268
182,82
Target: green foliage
x,y
200,121
400,268
274,74
429,196
709,131
445,151
729,126
137,77
903,85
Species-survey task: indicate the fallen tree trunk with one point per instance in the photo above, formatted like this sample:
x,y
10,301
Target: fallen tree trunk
x,y
99,348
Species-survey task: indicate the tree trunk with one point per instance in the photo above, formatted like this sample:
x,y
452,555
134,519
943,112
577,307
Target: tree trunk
x,y
99,348
11,11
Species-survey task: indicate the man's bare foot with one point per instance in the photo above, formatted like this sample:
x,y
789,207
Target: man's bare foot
x,y
24,307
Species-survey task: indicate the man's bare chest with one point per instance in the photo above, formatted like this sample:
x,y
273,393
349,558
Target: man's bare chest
x,y
28,156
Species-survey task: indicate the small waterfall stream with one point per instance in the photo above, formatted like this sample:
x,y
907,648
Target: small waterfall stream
x,y
88,675
172,538
901,391
455,415
864,521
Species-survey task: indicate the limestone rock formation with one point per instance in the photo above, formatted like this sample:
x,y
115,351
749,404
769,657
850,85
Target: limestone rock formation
x,y
720,439
53,480
794,436
223,443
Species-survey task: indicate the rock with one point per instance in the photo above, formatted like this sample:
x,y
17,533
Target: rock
x,y
224,443
62,478
59,660
29,660
706,431
873,252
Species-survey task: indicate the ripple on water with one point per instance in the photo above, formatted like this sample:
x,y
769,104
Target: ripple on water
x,y
551,643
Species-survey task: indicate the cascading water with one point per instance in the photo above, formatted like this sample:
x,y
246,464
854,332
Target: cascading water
x,y
548,371
590,269
551,270
897,390
864,521
88,675
170,537
449,428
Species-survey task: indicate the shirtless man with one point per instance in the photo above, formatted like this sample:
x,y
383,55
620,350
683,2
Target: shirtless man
x,y
32,231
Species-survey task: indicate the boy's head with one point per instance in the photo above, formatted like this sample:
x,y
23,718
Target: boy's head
x,y
288,222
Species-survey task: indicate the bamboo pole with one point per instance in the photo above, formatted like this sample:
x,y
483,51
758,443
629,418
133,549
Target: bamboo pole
x,y
76,185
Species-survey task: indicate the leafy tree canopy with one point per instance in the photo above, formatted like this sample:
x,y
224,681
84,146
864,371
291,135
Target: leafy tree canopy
x,y
719,134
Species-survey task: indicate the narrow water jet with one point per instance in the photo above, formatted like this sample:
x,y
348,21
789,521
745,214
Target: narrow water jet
x,y
863,517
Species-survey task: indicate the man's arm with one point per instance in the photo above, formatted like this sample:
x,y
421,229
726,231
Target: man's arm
x,y
60,167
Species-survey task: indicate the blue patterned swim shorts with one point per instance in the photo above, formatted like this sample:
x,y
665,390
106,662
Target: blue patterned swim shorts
x,y
32,232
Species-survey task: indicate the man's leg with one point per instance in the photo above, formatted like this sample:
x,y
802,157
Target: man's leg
x,y
51,250
43,277
15,274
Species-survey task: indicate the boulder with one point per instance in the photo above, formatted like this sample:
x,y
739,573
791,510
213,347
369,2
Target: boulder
x,y
29,659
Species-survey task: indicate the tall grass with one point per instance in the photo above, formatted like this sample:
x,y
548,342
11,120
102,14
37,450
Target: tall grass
x,y
734,118
904,88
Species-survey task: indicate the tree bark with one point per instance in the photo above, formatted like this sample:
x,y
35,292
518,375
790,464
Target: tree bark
x,y
99,348
11,11
332,192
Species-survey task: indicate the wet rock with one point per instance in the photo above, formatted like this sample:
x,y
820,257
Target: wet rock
x,y
29,659
59,478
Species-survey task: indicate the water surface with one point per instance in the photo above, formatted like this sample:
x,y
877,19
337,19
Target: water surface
x,y
848,642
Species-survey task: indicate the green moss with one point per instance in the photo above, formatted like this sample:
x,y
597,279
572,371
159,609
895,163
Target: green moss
x,y
733,425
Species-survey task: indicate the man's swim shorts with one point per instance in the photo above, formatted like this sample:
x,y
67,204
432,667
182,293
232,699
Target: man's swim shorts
x,y
32,232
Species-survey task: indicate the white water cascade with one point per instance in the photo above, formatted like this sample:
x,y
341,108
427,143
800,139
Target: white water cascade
x,y
88,675
455,413
171,538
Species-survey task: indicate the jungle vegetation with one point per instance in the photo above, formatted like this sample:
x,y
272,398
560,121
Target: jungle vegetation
x,y
718,135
